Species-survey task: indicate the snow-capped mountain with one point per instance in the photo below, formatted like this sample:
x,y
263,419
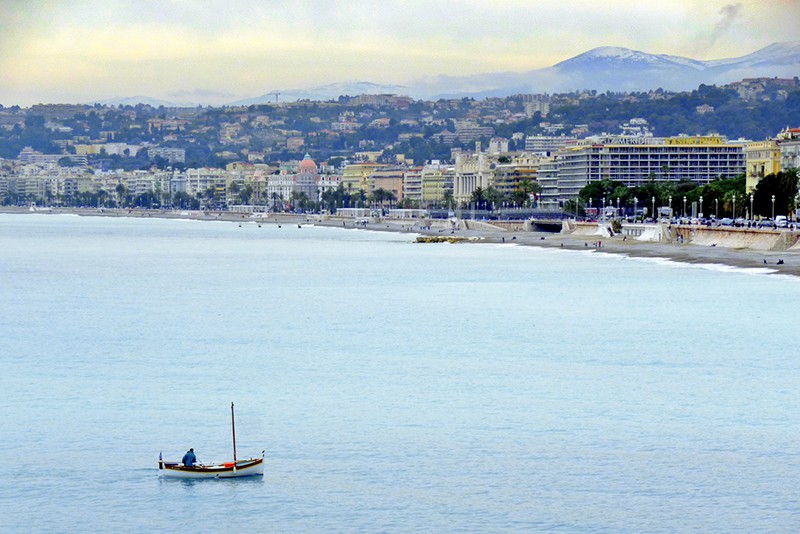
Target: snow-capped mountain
x,y
623,69
603,69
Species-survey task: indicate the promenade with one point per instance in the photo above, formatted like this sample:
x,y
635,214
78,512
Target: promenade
x,y
478,232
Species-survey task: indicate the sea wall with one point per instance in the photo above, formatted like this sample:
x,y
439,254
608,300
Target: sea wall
x,y
737,238
587,229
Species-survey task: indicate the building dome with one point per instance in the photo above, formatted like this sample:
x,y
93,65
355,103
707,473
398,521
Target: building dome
x,y
308,165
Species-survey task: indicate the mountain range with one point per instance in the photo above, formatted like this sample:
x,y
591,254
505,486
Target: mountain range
x,y
601,69
622,69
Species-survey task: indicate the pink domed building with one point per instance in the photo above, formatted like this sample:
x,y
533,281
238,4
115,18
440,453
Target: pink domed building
x,y
305,181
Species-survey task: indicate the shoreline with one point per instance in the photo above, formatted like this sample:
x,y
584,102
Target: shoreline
x,y
742,258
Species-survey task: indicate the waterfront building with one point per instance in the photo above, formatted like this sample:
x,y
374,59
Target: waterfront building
x,y
390,180
520,167
279,188
412,185
306,179
790,148
548,180
437,183
356,176
328,182
207,183
634,161
472,170
5,183
763,158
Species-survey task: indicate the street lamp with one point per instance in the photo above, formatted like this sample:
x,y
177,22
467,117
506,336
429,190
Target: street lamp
x,y
752,215
617,206
773,209
653,214
635,202
670,206
684,206
716,208
700,208
733,213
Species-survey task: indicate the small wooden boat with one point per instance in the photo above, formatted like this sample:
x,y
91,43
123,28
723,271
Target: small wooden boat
x,y
234,469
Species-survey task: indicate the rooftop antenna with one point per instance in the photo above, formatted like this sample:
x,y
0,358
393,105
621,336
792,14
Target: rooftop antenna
x,y
277,94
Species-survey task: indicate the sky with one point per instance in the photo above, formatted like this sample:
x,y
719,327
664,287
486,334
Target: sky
x,y
218,51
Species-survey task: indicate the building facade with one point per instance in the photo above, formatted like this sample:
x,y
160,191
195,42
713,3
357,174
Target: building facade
x,y
634,161
763,158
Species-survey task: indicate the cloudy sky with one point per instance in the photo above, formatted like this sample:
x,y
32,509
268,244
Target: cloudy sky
x,y
216,51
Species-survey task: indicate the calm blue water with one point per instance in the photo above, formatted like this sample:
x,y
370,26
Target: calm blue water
x,y
396,387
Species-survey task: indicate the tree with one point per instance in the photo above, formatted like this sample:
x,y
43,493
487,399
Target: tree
x,y
122,193
246,194
478,198
210,194
782,186
448,200
381,196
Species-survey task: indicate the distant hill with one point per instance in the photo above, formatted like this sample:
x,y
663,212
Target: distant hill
x,y
323,92
134,100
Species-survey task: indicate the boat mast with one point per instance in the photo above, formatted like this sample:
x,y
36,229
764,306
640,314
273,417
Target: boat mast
x,y
233,430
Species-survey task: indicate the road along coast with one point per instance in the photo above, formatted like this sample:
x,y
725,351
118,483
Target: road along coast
x,y
696,245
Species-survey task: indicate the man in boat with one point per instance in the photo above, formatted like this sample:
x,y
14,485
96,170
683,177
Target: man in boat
x,y
189,458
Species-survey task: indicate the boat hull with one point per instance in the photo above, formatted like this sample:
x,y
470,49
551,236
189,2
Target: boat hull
x,y
243,468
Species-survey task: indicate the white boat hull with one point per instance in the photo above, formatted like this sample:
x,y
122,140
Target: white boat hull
x,y
243,468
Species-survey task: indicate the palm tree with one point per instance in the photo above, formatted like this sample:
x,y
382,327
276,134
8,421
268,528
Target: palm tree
x,y
210,193
122,193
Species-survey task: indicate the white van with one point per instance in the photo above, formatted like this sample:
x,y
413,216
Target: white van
x,y
781,221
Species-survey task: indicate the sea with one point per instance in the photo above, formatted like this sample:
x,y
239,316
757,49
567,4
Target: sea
x,y
394,386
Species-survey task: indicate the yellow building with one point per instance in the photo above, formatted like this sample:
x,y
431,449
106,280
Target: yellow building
x,y
390,180
763,158
356,176
437,184
508,176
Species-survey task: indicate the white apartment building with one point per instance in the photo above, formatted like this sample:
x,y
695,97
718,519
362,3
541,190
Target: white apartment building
x,y
498,145
636,160
172,155
790,149
198,182
412,185
279,187
548,179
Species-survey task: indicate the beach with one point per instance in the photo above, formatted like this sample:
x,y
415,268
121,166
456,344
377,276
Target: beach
x,y
765,261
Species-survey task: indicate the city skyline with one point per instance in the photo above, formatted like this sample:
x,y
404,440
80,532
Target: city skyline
x,y
86,50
